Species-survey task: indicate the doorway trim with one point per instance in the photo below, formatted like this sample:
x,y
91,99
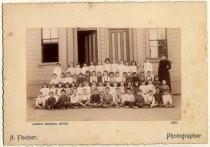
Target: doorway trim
x,y
76,30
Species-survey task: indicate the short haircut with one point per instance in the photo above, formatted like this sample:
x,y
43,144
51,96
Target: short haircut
x,y
107,88
129,89
133,62
63,90
107,59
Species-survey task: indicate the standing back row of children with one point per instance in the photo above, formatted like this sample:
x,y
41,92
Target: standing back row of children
x,y
114,67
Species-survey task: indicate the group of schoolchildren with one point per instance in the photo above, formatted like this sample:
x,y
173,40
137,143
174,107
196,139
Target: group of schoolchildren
x,y
108,85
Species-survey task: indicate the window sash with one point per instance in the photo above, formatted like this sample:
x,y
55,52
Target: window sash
x,y
157,41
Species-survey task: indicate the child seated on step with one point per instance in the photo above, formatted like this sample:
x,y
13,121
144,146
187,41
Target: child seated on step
x,y
80,79
50,101
121,68
84,68
84,98
156,81
122,87
93,87
44,90
149,100
74,99
112,78
107,99
135,78
143,87
87,87
141,77
139,99
92,67
71,68
129,78
167,99
151,87
87,77
59,89
99,67
93,77
63,101
54,79
40,101
62,78
101,88
135,87
128,100
117,78
133,67
164,86
147,66
79,89
114,66
57,70
127,67
95,99
118,97
68,90
107,65
124,77
53,89
99,77
68,78
149,76
78,69
105,77
158,97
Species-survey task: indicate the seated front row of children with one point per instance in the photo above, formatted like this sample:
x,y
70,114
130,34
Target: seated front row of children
x,y
105,100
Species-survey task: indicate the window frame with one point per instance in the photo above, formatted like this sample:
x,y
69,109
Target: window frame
x,y
157,58
42,47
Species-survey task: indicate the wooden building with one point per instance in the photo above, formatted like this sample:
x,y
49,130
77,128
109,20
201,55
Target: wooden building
x,y
47,46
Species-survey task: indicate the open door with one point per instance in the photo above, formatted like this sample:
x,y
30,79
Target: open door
x,y
87,46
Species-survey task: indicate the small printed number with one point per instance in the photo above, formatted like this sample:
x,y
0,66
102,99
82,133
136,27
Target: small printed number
x,y
174,122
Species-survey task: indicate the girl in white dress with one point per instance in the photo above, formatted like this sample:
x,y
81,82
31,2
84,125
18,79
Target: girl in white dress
x,y
133,67
107,65
93,77
127,67
147,66
99,67
121,67
57,70
84,68
68,78
71,68
114,66
78,69
92,67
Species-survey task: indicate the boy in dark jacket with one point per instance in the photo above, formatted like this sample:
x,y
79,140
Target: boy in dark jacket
x,y
63,101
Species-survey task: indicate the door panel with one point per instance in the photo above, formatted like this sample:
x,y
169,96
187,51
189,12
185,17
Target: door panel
x,y
119,44
87,46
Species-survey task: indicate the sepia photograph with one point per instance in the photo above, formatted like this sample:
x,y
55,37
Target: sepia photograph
x,y
109,74
105,73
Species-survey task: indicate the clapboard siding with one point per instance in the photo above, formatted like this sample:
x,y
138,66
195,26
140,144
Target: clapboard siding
x,y
174,54
36,71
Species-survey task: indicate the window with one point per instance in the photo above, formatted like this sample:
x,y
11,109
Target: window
x,y
157,42
49,45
